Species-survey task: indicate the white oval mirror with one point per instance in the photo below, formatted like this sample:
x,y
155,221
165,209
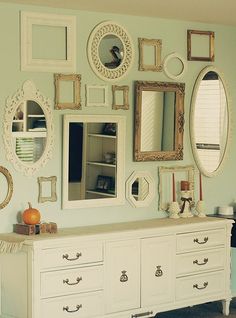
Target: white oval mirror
x,y
209,121
28,129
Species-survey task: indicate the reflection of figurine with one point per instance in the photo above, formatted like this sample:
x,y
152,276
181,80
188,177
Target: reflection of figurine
x,y
117,57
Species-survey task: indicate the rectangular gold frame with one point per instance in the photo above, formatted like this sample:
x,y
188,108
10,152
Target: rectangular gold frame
x,y
53,197
211,36
157,44
125,90
76,79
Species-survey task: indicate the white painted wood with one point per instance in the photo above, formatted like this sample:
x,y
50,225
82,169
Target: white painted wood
x,y
91,90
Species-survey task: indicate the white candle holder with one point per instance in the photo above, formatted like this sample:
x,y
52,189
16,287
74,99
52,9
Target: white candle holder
x,y
200,208
174,210
186,197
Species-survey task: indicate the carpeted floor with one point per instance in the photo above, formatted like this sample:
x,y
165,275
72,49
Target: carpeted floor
x,y
209,310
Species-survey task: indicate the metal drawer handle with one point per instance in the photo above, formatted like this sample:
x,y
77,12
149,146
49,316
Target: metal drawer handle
x,y
159,271
203,287
142,314
124,277
66,256
66,308
205,261
66,281
202,242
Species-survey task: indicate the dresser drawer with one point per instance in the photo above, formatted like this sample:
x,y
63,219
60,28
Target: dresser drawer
x,y
200,285
200,240
70,256
71,281
76,306
200,261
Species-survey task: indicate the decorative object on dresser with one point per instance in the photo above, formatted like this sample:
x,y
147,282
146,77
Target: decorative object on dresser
x,y
67,91
186,199
177,58
116,92
196,40
162,138
97,95
28,139
51,194
110,51
147,61
34,229
174,208
6,183
110,267
200,206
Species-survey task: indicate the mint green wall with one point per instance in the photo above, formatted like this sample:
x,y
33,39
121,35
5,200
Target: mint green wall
x,y
219,190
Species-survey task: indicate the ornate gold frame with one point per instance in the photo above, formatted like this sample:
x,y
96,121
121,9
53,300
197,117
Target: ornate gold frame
x,y
53,197
125,90
177,153
75,78
8,176
211,36
157,45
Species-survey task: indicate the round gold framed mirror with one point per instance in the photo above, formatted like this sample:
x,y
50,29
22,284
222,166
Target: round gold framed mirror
x,y
7,178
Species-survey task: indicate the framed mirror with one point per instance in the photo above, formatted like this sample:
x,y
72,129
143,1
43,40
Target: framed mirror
x,y
209,121
159,121
140,189
93,160
6,182
110,51
28,129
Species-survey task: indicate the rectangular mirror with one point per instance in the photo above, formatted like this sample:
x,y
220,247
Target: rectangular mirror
x,y
159,121
93,160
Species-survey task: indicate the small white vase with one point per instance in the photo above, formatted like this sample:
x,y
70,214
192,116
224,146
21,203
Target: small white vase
x,y
200,208
174,210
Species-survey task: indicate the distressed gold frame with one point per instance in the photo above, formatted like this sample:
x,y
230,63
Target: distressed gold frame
x,y
157,45
53,197
177,153
125,90
8,176
211,36
76,79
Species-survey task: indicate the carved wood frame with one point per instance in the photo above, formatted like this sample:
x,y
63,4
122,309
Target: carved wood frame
x,y
125,90
177,153
157,45
211,36
8,176
53,197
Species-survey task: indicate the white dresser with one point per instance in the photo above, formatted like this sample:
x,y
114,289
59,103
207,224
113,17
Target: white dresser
x,y
125,270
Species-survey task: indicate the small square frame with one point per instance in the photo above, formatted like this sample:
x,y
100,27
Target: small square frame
x,y
28,63
125,90
76,79
157,45
90,88
211,36
53,197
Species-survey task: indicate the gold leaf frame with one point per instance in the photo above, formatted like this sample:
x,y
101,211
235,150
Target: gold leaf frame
x,y
53,197
157,45
211,36
125,90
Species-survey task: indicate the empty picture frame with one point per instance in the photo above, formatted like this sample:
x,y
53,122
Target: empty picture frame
x,y
48,42
96,95
67,91
200,45
120,102
150,55
51,196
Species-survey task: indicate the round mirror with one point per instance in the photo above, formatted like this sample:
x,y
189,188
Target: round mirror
x,y
6,187
209,121
110,51
28,129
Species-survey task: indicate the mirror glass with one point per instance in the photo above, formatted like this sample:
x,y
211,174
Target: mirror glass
x,y
111,51
209,121
159,120
93,158
140,189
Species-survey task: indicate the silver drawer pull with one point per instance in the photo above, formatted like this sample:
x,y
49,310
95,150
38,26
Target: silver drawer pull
x,y
66,281
142,314
205,284
159,271
66,256
205,261
66,308
202,242
124,277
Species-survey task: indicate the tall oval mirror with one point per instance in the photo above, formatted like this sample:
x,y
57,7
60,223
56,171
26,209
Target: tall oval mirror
x,y
28,129
209,121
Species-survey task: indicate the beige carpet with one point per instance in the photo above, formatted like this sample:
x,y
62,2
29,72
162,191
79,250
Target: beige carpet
x,y
209,310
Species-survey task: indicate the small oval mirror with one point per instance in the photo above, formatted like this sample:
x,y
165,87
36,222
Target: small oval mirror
x,y
209,121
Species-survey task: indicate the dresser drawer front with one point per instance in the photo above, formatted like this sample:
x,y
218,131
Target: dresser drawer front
x,y
200,240
200,261
71,256
76,306
71,281
200,285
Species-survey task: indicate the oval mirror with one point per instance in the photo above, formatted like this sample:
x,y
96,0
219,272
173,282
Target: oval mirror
x,y
209,121
28,129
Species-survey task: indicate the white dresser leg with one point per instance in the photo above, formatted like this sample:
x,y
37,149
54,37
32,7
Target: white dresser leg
x,y
225,306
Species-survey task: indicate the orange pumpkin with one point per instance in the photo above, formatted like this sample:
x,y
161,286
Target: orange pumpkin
x,y
31,216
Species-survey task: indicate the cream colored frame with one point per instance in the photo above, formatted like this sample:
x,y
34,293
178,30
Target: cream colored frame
x,y
211,36
8,176
53,197
189,170
89,89
125,90
157,45
182,61
76,80
28,63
